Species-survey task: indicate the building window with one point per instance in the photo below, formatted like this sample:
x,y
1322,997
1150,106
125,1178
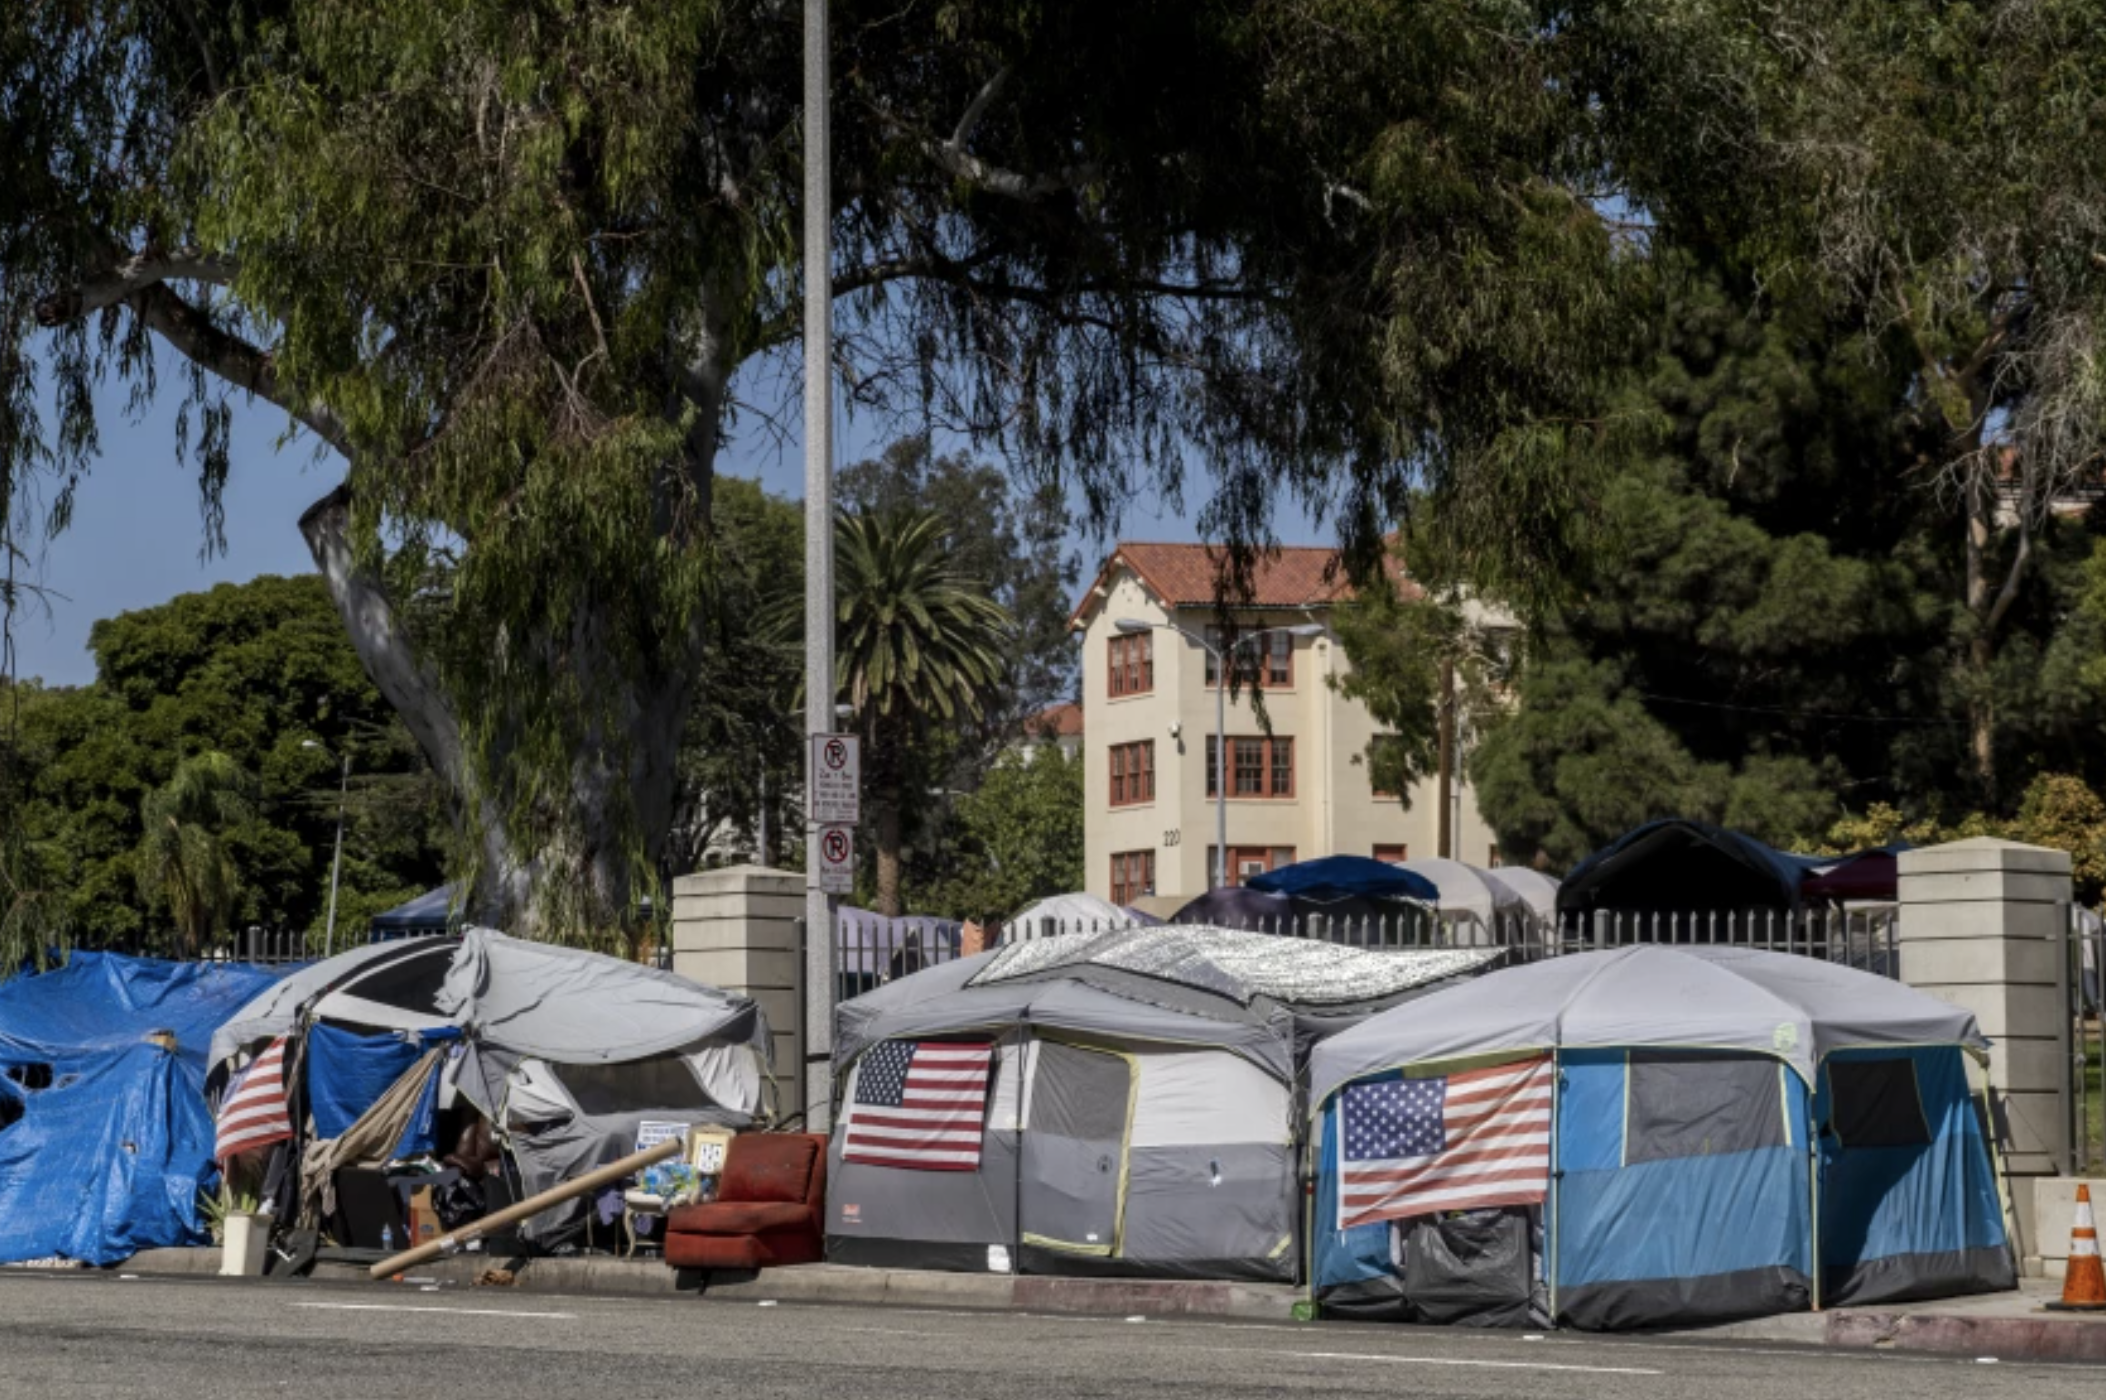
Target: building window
x,y
1258,767
1133,875
1278,650
1491,859
1132,663
1246,861
1393,855
1132,773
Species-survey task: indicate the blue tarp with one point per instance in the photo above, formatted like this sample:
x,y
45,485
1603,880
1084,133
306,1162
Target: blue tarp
x,y
108,1159
347,1073
1345,877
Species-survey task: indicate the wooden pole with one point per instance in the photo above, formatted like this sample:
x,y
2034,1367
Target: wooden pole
x,y
532,1205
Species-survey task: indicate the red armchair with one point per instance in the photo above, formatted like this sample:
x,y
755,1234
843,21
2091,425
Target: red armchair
x,y
770,1207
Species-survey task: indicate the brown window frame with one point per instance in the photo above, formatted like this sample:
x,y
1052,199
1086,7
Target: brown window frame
x,y
1131,656
1133,875
1132,771
1272,856
1278,651
1269,748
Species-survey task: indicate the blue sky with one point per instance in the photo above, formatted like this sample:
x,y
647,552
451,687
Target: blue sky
x,y
137,534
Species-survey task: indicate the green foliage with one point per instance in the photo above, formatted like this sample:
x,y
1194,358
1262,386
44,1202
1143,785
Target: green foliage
x,y
184,869
1016,839
742,751
919,646
515,262
248,673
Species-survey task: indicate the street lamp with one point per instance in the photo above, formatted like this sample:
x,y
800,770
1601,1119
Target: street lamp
x,y
1222,657
336,865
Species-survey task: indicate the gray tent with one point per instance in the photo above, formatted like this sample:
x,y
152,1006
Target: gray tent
x,y
1671,1135
567,1053
1140,1109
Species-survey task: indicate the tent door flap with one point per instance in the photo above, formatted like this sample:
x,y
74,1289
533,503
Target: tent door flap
x,y
1075,1149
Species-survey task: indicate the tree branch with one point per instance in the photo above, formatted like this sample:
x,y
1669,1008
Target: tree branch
x,y
2008,594
977,109
383,647
130,274
233,359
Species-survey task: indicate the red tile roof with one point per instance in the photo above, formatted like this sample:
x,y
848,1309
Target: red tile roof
x,y
1183,576
1063,721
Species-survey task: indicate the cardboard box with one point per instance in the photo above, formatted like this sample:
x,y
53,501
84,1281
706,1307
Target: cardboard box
x,y
423,1218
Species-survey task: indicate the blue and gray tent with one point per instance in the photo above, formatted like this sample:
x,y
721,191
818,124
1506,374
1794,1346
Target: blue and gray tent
x,y
1734,1133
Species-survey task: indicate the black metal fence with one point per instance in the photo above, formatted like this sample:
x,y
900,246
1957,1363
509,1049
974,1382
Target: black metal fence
x,y
871,952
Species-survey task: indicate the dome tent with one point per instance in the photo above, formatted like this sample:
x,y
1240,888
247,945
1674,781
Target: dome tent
x,y
1140,1101
1532,888
1678,866
566,1053
1735,1133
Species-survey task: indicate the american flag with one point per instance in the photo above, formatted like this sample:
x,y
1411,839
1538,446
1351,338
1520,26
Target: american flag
x,y
919,1104
1463,1142
254,1112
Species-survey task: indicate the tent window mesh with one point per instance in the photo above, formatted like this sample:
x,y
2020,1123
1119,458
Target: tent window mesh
x,y
1696,1105
31,1077
10,1111
1079,1093
1876,1103
662,1081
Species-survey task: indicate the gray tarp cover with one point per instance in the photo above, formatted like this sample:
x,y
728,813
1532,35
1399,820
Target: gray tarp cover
x,y
531,999
573,1007
1797,1008
277,1011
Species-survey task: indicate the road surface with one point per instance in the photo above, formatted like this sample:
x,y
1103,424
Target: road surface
x,y
93,1335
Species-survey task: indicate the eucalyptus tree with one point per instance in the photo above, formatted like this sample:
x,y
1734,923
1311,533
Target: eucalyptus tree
x,y
518,270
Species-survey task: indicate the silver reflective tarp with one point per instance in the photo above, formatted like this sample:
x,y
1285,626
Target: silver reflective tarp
x,y
1239,965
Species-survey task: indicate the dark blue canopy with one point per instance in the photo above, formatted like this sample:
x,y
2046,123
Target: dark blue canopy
x,y
1345,877
430,912
1677,865
104,1137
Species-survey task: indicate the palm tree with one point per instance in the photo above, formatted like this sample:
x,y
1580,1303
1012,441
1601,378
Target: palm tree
x,y
917,644
181,863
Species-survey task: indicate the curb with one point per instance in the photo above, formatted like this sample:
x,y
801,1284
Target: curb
x,y
2029,1336
808,1283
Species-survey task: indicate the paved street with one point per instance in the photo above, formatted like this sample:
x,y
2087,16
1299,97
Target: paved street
x,y
171,1340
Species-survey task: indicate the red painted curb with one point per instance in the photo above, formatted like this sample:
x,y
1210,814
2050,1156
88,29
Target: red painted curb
x,y
2040,1338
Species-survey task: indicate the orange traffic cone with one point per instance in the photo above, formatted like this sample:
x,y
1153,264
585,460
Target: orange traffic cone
x,y
2084,1284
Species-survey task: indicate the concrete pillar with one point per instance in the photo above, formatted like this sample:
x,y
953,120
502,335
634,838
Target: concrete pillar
x,y
1982,926
736,929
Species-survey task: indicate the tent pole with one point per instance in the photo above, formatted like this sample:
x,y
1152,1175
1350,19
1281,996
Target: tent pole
x,y
1813,1183
1557,1089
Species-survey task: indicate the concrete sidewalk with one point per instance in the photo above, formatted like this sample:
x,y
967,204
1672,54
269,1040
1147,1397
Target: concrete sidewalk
x,y
2007,1326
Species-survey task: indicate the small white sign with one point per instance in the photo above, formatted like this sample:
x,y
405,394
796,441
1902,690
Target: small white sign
x,y
650,1133
837,859
834,780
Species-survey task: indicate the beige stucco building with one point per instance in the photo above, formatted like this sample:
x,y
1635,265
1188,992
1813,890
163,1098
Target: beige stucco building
x,y
1300,792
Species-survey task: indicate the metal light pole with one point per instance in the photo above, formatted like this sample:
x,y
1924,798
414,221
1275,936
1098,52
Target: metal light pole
x,y
815,1075
336,864
1222,657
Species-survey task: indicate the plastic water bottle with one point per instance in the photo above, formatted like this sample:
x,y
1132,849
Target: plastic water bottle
x,y
387,1239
